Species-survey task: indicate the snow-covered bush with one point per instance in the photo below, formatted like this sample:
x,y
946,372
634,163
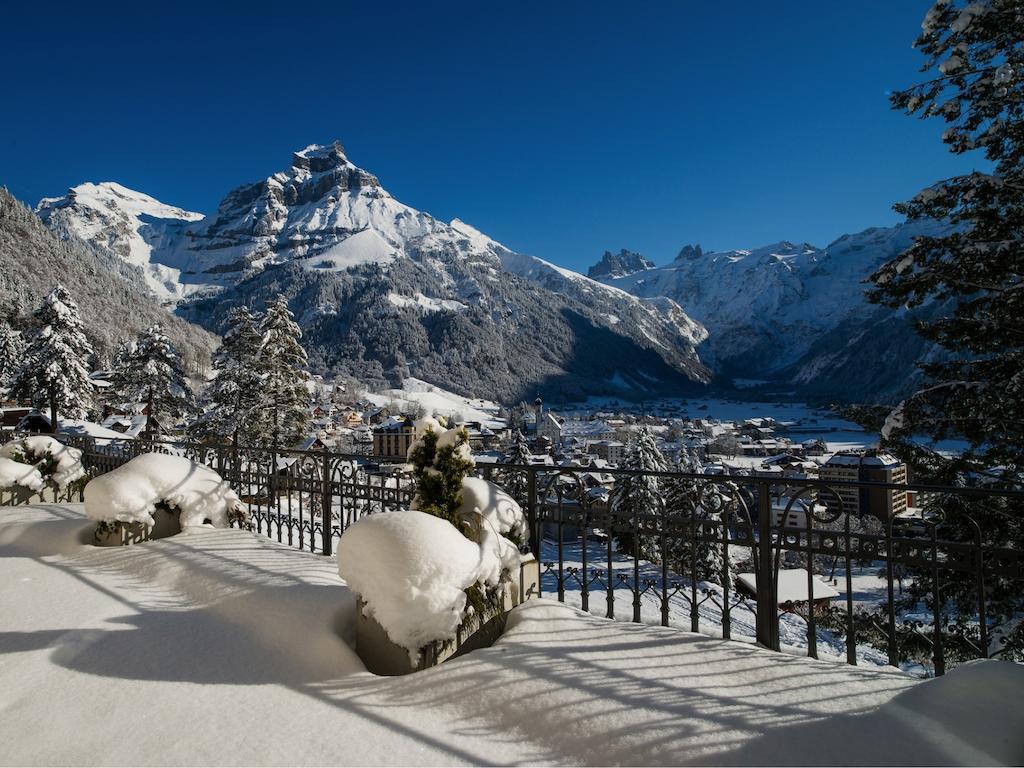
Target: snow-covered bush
x,y
58,464
422,572
412,571
14,474
133,491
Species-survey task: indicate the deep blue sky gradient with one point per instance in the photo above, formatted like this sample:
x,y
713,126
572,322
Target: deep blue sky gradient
x,y
560,128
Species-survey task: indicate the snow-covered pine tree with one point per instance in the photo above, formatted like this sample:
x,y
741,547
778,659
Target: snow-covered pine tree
x,y
694,508
975,62
517,483
975,84
637,500
232,399
283,416
152,374
53,372
12,347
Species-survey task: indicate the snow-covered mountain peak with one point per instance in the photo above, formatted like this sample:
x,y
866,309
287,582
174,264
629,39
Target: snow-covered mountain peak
x,y
131,224
114,197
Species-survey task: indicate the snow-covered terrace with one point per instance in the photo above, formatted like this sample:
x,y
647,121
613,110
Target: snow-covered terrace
x,y
222,647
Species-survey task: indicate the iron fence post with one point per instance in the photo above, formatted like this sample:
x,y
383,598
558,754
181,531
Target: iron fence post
x,y
767,589
531,512
326,512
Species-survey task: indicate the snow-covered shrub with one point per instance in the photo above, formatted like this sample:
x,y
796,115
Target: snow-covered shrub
x,y
412,571
423,572
58,464
132,492
14,474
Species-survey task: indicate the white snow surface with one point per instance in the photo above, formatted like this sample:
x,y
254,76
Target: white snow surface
x,y
36,449
411,569
499,510
233,623
131,492
416,394
15,474
135,226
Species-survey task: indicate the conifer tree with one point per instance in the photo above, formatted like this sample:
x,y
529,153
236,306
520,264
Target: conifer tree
x,y
151,372
12,347
284,415
517,483
694,508
975,84
637,499
441,461
235,395
54,372
975,275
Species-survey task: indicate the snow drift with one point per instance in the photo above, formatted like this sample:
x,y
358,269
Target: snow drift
x,y
130,493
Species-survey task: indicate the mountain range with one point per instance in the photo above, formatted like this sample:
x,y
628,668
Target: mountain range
x,y
383,291
792,318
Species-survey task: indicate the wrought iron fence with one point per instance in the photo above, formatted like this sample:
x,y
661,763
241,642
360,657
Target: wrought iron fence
x,y
708,553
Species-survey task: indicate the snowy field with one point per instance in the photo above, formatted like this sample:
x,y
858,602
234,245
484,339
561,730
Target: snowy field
x,y
222,647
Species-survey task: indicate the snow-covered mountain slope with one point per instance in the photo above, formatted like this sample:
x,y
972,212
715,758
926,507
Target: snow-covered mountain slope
x,y
383,290
134,226
768,309
111,294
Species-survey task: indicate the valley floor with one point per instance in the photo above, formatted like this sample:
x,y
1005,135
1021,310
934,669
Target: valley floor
x,y
222,647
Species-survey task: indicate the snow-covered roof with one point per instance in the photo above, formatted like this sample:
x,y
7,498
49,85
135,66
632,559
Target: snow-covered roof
x,y
792,585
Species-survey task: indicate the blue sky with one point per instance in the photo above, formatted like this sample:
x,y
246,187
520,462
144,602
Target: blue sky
x,y
561,129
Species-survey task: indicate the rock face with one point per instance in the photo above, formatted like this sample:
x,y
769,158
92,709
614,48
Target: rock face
x,y
795,316
381,288
620,264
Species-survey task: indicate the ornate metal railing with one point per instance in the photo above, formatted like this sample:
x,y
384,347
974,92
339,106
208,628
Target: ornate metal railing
x,y
707,553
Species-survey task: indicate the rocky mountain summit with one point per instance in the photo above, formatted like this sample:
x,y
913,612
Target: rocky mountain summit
x,y
383,290
619,264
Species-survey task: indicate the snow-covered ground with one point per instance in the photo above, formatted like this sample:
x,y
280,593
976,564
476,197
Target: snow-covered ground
x,y
221,647
742,613
435,401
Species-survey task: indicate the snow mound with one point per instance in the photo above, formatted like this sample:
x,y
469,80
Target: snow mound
x,y
412,570
492,516
14,473
57,463
130,493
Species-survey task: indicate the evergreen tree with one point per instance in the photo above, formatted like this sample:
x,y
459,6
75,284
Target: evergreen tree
x,y
636,500
235,395
283,416
975,274
53,372
975,60
441,461
12,347
695,509
517,483
151,372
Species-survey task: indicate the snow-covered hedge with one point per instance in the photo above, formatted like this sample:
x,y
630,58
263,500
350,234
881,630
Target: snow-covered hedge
x,y
14,474
420,571
58,464
131,493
